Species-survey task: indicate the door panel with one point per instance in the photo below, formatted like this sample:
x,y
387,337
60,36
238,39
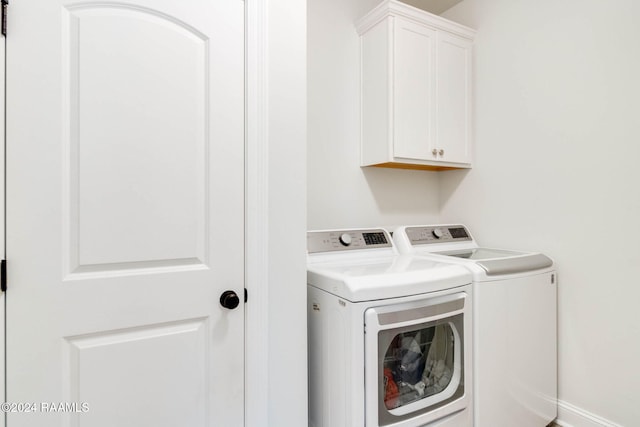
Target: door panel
x,y
125,218
454,97
414,90
180,362
153,210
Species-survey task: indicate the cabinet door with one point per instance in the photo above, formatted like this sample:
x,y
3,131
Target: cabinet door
x,y
453,113
414,90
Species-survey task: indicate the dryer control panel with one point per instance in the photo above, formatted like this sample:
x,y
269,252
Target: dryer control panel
x,y
345,240
437,234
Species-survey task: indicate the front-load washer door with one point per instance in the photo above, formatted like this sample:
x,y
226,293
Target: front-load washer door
x,y
415,370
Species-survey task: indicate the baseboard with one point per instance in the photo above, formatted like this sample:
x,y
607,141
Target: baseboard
x,y
571,416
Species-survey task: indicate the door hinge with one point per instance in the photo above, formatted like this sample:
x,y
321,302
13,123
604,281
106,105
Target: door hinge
x,y
5,6
246,295
3,275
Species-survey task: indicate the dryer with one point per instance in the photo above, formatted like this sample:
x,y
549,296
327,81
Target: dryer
x,y
389,335
515,317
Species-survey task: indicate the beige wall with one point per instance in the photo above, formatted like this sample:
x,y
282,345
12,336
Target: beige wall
x,y
558,146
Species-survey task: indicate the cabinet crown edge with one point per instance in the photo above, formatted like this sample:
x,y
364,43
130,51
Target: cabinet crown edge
x,y
392,8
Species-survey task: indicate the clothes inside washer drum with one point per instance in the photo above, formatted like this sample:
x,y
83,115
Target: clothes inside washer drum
x,y
412,362
438,367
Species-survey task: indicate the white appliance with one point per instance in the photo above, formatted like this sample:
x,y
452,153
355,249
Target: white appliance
x,y
389,335
514,321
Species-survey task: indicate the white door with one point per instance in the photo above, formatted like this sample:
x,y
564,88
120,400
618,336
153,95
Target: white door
x,y
125,212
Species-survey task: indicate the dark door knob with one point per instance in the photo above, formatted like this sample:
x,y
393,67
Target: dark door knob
x,y
229,299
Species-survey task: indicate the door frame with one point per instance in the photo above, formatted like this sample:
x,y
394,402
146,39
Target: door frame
x,y
256,219
276,214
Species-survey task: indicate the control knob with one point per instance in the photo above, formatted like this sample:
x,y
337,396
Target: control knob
x,y
437,233
345,239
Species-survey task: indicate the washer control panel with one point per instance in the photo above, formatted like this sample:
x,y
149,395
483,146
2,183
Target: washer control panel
x,y
437,234
344,240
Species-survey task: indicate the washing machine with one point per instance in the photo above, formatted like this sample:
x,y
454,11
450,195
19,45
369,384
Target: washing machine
x,y
514,321
390,336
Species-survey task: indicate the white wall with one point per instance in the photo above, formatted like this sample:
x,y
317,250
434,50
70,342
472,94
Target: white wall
x,y
286,135
556,169
340,193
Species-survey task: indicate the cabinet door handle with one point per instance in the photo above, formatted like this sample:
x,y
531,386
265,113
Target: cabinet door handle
x,y
441,152
434,152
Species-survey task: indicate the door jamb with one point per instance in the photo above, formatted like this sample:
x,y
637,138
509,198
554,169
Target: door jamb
x,y
256,216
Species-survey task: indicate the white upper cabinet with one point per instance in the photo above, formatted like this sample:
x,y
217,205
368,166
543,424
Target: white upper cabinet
x,y
416,71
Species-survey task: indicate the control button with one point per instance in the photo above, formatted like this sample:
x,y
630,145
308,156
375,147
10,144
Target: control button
x,y
437,233
345,239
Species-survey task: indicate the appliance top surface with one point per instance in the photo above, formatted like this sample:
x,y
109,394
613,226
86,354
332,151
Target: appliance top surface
x,y
480,254
374,270
455,243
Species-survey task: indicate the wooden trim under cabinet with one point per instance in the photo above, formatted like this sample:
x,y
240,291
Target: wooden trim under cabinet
x,y
395,165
